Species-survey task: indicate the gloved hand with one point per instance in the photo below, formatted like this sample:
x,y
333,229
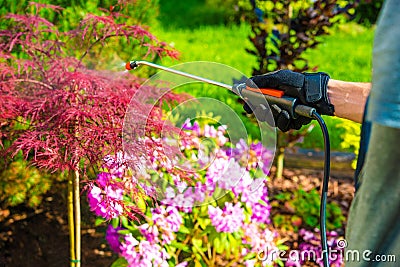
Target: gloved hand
x,y
309,88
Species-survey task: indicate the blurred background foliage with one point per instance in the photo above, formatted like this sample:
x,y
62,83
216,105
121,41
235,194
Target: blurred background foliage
x,y
137,12
21,183
207,30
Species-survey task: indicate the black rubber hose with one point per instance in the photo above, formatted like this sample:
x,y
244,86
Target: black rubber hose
x,y
325,183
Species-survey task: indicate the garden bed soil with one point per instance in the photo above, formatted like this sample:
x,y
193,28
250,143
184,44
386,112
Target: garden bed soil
x,y
39,237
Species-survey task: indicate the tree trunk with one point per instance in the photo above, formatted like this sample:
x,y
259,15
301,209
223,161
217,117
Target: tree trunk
x,y
280,162
77,208
71,225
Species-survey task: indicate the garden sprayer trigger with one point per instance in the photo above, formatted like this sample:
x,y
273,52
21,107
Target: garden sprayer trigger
x,y
253,95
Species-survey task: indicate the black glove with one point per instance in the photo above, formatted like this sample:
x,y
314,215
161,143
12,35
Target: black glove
x,y
282,119
309,88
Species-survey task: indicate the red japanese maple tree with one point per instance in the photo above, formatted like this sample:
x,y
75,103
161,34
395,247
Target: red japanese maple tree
x,y
73,115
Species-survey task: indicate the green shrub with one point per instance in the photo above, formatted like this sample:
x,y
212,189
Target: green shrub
x,y
367,12
351,138
303,209
21,183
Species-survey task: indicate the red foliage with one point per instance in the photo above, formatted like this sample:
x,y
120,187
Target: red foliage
x,y
73,115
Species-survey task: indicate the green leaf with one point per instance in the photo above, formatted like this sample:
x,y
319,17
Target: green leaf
x,y
225,242
204,222
99,220
180,246
249,256
124,232
124,221
232,241
218,245
207,230
213,234
189,223
282,196
184,230
227,252
263,202
141,203
171,262
204,210
120,262
180,236
311,221
280,262
197,263
197,243
115,222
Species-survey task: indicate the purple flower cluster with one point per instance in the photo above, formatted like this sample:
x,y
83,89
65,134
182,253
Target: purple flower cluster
x,y
112,237
208,131
257,238
254,193
149,251
158,158
150,233
116,165
215,171
230,170
312,245
143,253
105,198
229,219
218,134
255,156
225,173
186,197
194,128
264,157
260,213
260,240
168,220
106,194
259,204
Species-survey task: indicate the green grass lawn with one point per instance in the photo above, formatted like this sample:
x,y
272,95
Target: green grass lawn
x,y
345,54
221,44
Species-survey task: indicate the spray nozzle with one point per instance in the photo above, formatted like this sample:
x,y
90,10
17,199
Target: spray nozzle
x,y
131,65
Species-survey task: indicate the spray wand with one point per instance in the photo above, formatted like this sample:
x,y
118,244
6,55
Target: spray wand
x,y
254,96
257,97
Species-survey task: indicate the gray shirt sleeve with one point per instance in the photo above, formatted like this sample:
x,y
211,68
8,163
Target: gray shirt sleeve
x,y
384,102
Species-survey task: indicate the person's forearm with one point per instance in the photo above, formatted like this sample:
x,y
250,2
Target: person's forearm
x,y
348,98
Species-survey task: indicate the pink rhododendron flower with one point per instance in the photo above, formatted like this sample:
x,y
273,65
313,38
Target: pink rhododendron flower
x,y
226,173
150,233
261,240
229,219
168,220
105,203
143,253
112,237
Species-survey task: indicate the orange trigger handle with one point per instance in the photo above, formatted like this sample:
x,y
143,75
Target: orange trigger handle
x,y
267,91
